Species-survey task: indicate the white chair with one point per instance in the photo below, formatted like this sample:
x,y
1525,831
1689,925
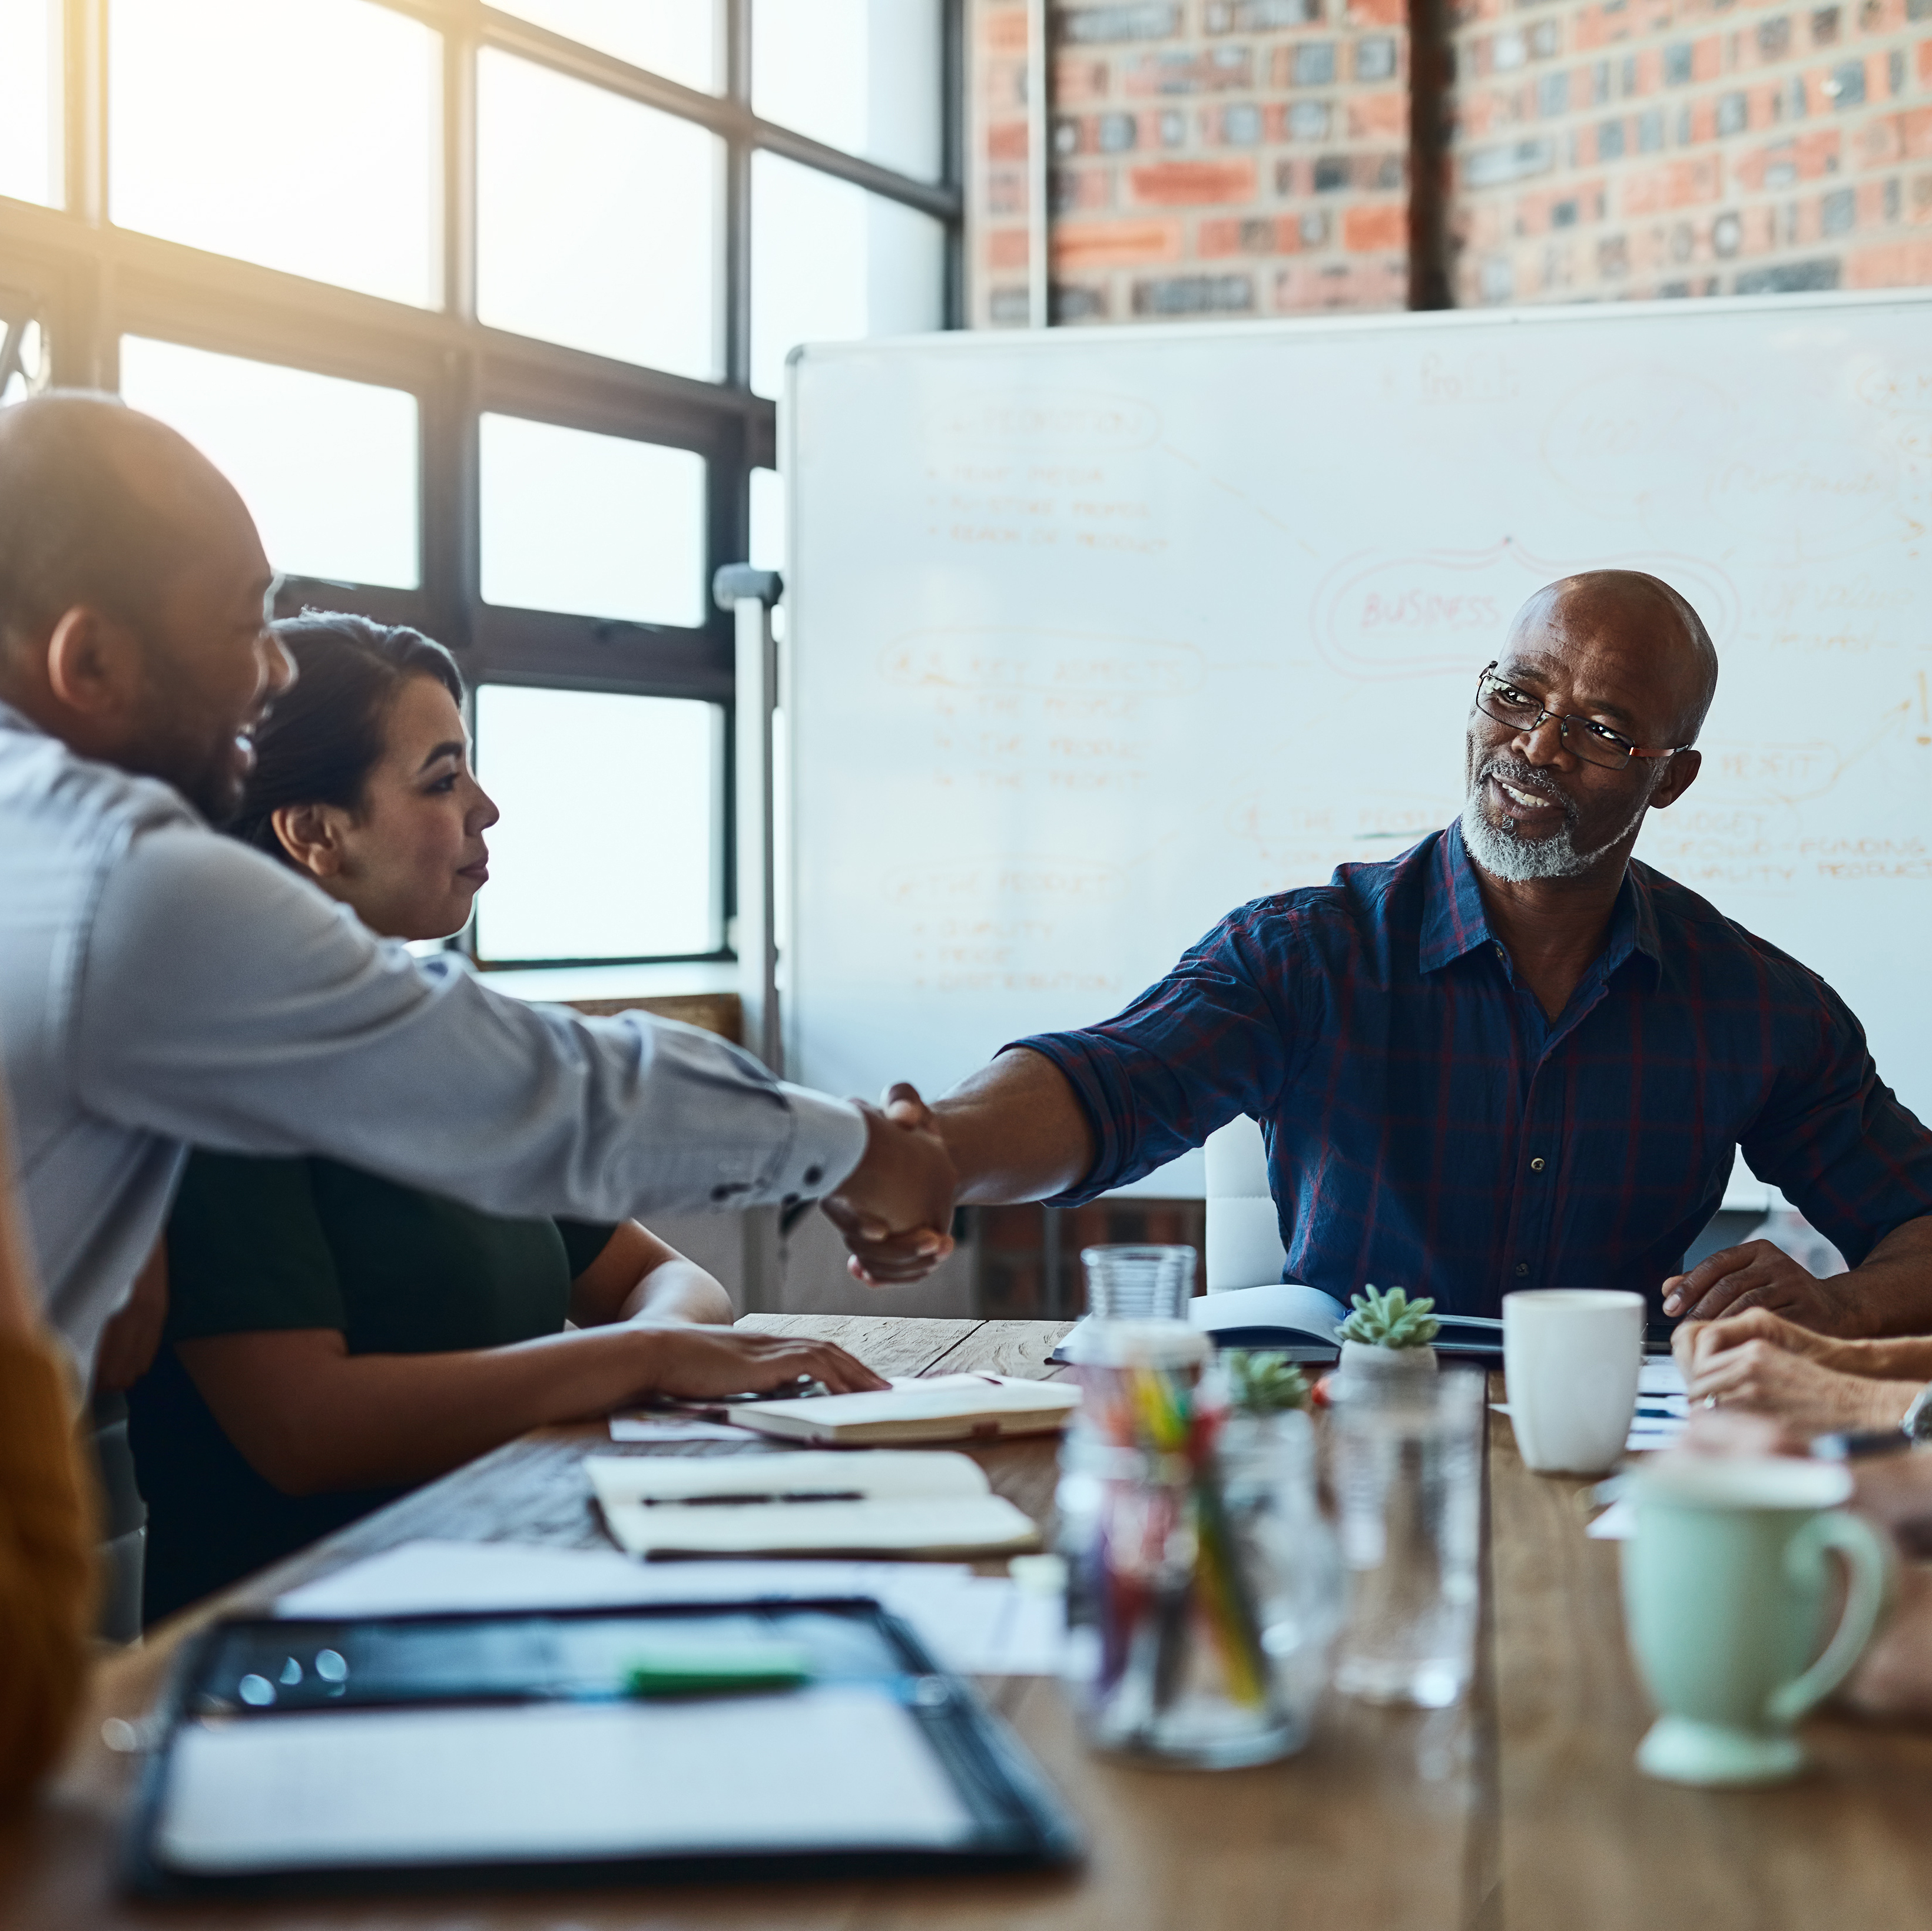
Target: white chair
x,y
1243,1233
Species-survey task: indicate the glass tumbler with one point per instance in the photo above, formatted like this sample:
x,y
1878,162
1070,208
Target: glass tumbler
x,y
1408,1472
1138,1284
1203,1587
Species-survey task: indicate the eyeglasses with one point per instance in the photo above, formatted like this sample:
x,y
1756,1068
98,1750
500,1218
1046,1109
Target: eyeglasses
x,y
1595,743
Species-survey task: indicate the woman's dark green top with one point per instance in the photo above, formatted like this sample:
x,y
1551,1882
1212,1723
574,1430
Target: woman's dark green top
x,y
267,1245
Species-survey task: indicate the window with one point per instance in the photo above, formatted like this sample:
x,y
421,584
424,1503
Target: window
x,y
597,220
24,357
328,468
30,131
857,74
830,261
767,549
304,136
683,40
483,305
610,844
591,524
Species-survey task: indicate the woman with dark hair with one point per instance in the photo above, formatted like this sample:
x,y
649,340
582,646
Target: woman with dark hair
x,y
334,1337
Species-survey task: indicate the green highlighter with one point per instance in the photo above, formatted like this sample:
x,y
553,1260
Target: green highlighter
x,y
711,1669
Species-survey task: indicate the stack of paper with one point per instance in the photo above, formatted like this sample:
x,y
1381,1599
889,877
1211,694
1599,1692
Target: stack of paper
x,y
808,1504
1663,1408
979,1624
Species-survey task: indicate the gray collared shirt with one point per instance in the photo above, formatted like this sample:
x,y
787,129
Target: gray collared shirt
x,y
162,987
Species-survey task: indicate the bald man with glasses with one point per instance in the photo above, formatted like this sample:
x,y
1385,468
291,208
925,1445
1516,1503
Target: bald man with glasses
x,y
1514,1057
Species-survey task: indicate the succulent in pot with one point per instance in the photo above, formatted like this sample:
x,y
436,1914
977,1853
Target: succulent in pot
x,y
1388,1333
1264,1382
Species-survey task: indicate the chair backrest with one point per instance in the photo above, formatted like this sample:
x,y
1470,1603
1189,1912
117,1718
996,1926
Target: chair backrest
x,y
1243,1233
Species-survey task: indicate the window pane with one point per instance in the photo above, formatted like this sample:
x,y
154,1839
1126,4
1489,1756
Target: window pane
x,y
609,844
830,262
862,75
329,468
303,136
595,526
24,359
30,90
597,220
676,38
768,530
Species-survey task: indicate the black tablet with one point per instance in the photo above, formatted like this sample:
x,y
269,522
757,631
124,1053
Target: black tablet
x,y
666,1742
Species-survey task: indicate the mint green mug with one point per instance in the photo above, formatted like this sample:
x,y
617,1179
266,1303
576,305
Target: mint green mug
x,y
1726,1584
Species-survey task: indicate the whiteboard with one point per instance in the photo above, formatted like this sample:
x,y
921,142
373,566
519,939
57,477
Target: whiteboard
x,y
1096,634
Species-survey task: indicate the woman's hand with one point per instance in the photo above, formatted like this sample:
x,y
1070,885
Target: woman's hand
x,y
1810,1398
705,1363
1695,1343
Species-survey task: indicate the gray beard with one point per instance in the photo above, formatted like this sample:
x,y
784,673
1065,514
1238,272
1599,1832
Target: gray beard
x,y
1505,856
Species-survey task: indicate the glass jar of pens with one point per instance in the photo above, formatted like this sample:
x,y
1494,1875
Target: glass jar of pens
x,y
1203,1588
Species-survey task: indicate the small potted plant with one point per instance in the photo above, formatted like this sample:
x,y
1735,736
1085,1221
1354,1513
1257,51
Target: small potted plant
x,y
1262,1382
1388,1335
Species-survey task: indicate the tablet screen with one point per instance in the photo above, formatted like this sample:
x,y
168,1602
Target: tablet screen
x,y
833,1767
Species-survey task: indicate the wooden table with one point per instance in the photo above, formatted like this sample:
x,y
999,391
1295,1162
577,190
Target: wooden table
x,y
1519,1809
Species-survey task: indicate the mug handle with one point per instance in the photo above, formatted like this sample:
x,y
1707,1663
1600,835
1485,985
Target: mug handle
x,y
1869,1561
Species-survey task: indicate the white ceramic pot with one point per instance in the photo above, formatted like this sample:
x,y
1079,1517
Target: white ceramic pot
x,y
1369,1362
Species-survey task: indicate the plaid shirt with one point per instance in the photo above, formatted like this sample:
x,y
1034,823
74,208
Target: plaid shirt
x,y
1428,1126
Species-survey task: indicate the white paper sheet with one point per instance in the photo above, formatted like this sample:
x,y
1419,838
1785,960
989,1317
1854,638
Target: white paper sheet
x,y
815,1769
643,1427
1617,1523
977,1625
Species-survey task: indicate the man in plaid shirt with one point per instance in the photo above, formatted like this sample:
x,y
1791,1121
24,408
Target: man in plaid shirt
x,y
1513,1057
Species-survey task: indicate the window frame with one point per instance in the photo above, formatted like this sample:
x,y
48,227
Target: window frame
x,y
89,283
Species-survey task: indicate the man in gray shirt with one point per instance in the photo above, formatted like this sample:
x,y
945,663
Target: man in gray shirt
x,y
161,985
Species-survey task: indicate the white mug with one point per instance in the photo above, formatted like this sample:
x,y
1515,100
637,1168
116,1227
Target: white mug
x,y
1571,1356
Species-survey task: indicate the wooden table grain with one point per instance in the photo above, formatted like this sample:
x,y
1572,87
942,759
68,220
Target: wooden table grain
x,y
1518,1811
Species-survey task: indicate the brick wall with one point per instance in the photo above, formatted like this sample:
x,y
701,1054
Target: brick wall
x,y
1250,158
1634,148
998,210
1211,157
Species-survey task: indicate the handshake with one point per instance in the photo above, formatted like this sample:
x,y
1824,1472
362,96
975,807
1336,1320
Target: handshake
x,y
1014,1130
894,1208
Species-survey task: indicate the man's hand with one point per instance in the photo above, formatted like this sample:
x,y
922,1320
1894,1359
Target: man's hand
x,y
132,1337
894,1208
705,1363
1757,1275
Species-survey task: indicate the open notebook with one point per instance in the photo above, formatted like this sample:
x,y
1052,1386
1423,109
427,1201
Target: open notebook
x,y
810,1503
940,1408
1301,1321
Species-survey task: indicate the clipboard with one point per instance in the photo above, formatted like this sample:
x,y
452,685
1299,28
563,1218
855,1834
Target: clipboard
x,y
300,1759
